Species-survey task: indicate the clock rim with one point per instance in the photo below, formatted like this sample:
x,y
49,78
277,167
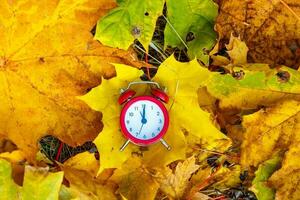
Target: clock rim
x,y
135,140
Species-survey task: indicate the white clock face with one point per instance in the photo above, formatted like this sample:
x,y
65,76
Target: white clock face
x,y
144,119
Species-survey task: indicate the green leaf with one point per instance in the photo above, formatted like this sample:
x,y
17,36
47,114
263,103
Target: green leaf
x,y
8,188
196,17
133,19
262,174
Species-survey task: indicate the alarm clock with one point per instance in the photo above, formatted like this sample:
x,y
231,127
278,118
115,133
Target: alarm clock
x,y
144,119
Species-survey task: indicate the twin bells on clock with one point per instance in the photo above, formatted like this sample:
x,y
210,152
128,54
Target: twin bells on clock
x,y
144,119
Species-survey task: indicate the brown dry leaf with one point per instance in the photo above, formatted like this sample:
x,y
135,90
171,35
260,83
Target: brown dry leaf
x,y
45,63
270,130
175,184
270,28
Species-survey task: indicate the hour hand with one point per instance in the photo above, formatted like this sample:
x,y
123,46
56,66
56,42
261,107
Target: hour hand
x,y
144,120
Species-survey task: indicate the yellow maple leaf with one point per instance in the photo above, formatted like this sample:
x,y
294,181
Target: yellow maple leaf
x,y
268,131
237,50
286,179
47,57
183,81
80,171
138,185
267,27
186,117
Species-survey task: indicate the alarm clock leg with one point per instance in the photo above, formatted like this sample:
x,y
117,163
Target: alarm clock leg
x,y
165,144
124,145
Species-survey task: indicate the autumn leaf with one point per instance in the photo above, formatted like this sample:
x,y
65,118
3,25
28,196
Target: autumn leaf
x,y
180,79
16,156
84,166
129,21
253,85
286,179
267,27
45,63
104,98
174,184
38,183
269,130
183,81
221,178
237,50
8,188
262,174
138,185
191,22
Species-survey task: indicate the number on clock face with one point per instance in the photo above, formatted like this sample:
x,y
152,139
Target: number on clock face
x,y
144,119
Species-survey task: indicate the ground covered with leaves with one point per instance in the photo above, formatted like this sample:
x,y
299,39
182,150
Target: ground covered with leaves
x,y
231,72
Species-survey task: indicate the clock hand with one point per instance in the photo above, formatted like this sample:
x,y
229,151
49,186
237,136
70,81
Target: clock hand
x,y
141,129
144,120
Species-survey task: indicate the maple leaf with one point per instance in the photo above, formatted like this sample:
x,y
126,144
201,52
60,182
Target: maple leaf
x,y
183,81
131,20
191,22
237,50
81,167
253,85
267,27
45,63
174,184
138,185
286,179
38,183
186,117
269,130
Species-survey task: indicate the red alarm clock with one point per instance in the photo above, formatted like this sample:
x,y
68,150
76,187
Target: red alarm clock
x,y
144,119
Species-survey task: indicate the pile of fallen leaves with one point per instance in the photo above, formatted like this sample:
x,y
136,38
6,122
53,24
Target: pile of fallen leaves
x,y
234,106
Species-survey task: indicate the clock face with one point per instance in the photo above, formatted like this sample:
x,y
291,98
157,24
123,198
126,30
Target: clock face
x,y
144,120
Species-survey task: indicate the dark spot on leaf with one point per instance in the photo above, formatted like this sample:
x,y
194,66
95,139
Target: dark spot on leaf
x,y
146,14
190,37
136,32
41,60
283,76
238,75
205,51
